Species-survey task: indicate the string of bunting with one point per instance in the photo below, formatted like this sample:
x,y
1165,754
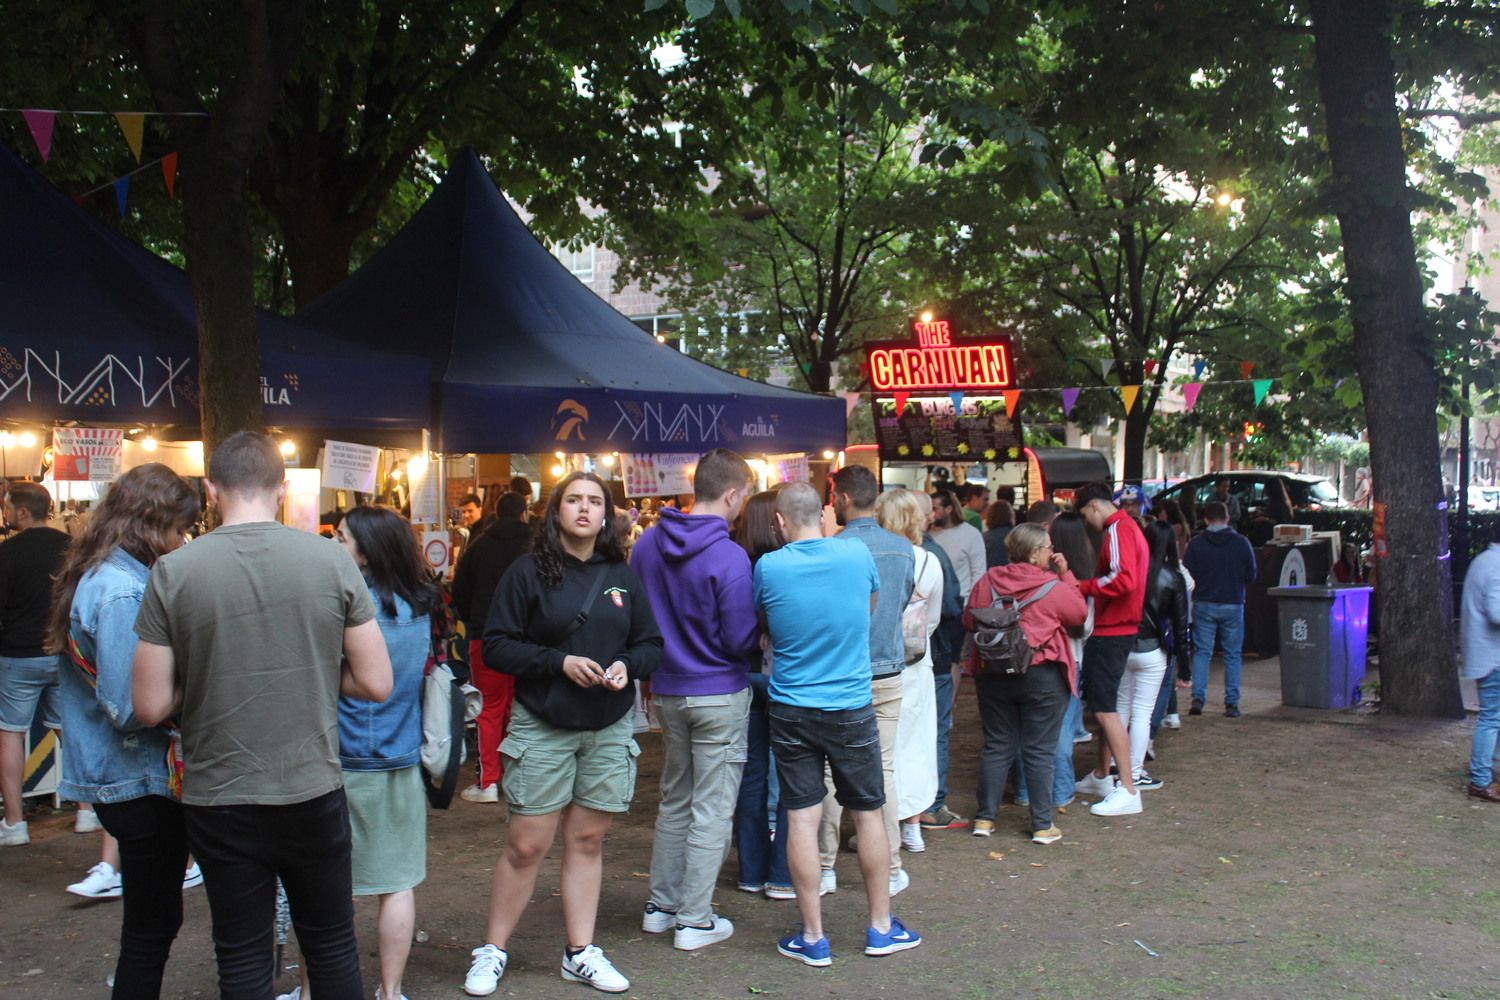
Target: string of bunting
x,y
40,122
121,184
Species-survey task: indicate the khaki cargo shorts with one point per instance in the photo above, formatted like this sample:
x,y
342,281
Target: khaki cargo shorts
x,y
546,768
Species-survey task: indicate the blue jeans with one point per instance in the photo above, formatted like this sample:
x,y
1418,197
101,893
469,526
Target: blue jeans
x,y
1063,780
942,688
762,858
1227,623
1482,756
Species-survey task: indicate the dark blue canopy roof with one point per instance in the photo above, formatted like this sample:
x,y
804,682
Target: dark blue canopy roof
x,y
95,328
527,359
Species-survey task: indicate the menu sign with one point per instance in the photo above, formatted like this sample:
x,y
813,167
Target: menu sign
x,y
927,430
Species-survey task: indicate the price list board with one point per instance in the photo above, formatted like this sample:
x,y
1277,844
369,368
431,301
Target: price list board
x,y
928,430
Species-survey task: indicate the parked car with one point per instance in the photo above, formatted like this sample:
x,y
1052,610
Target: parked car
x,y
1253,489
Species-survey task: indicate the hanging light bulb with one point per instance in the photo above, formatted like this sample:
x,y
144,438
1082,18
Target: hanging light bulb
x,y
148,444
28,439
558,470
288,448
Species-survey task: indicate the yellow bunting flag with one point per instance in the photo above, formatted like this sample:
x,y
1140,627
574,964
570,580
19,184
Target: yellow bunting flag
x,y
1128,394
133,124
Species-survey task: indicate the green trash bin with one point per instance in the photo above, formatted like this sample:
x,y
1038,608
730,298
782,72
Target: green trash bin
x,y
1323,636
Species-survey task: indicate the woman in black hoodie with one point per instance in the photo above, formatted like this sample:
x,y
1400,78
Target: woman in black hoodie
x,y
1163,620
570,621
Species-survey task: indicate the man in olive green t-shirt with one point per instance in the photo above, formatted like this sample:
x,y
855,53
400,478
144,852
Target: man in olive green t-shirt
x,y
249,635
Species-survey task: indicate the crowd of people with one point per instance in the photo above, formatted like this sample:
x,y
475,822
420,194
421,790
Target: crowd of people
x,y
246,709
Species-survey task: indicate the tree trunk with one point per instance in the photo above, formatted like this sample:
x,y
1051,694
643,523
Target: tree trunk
x,y
1395,365
1134,429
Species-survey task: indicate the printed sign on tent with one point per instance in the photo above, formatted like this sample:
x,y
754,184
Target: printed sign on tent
x,y
349,466
87,454
790,469
648,475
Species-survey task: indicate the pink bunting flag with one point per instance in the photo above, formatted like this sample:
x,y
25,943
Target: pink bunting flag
x,y
901,398
40,124
1190,394
1069,397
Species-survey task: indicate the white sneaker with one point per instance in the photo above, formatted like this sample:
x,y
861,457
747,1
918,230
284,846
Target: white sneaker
x,y
1092,784
828,883
911,838
102,882
658,921
14,836
1173,721
379,995
1118,803
693,938
590,966
480,793
899,881
485,971
296,994
86,821
193,877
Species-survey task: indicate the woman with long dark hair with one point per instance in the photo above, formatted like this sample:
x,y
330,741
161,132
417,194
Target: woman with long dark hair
x,y
571,622
130,772
380,743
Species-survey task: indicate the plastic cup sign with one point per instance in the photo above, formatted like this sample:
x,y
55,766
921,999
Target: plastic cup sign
x,y
435,550
350,466
87,454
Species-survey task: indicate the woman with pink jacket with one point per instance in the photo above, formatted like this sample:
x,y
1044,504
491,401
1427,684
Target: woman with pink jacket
x,y
1021,713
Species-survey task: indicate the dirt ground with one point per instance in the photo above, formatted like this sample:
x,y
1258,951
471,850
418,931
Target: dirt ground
x,y
1292,853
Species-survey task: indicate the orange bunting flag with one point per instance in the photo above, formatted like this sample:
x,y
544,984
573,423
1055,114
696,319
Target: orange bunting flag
x,y
169,174
1012,397
1128,393
1246,367
133,124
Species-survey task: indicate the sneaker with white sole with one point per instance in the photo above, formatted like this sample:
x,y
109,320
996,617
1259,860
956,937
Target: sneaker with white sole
x,y
1051,835
911,838
591,967
1118,803
296,994
485,971
984,827
1092,784
1145,781
1172,721
776,890
480,793
828,882
656,920
87,821
692,938
192,877
899,881
898,938
380,995
102,882
14,836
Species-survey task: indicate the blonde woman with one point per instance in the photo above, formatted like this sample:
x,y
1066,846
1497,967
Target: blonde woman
x,y
898,512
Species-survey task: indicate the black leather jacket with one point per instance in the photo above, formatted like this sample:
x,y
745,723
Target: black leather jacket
x,y
1164,616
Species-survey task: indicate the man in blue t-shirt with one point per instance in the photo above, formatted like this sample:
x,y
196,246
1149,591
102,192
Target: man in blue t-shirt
x,y
815,596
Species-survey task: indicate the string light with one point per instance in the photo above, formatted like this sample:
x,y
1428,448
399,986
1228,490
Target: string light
x,y
288,448
148,444
28,439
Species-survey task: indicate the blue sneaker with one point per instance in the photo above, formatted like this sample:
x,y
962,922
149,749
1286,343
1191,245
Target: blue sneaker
x,y
898,938
816,953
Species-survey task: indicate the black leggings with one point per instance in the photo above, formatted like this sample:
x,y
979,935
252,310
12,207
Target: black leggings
x,y
153,852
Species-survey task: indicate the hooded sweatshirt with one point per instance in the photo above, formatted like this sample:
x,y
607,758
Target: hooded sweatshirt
x,y
1222,563
699,583
1045,622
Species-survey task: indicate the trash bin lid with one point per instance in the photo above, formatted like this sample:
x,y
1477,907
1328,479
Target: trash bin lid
x,y
1316,592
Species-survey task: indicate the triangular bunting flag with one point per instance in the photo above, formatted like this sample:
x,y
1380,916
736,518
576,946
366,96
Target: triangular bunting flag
x,y
169,173
851,400
1262,386
1128,394
1070,396
1012,397
901,398
1199,367
1190,394
1246,367
40,124
133,124
122,191
958,402
1104,367
1150,368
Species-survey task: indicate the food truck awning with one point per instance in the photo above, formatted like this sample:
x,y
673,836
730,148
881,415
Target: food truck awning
x,y
525,358
95,328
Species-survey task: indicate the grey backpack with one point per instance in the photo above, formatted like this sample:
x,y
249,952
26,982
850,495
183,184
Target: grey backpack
x,y
1002,645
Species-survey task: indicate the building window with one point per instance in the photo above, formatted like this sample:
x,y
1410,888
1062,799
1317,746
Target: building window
x,y
580,262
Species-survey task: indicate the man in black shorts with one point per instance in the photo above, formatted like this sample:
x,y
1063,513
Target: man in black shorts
x,y
815,595
1119,591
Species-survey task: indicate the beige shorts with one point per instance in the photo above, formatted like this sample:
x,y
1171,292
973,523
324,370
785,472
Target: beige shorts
x,y
546,768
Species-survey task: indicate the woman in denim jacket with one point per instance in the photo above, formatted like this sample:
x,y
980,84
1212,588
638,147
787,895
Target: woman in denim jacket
x,y
380,743
129,771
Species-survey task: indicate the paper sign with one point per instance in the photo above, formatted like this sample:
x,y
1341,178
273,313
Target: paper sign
x,y
87,454
349,466
422,476
658,475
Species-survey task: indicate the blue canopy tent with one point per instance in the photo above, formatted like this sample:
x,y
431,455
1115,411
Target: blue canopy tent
x,y
525,359
94,328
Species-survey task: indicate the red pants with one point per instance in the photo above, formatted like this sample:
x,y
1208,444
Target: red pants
x,y
494,718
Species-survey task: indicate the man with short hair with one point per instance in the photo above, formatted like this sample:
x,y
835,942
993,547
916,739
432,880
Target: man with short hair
x,y
1229,500
698,581
1222,563
976,500
816,596
1480,635
470,510
522,486
249,635
946,643
475,580
1119,592
29,560
1043,512
854,494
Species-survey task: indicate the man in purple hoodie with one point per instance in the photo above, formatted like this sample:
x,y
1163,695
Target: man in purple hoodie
x,y
699,583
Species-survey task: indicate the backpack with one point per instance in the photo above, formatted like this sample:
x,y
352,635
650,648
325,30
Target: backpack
x,y
1002,645
914,623
449,703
